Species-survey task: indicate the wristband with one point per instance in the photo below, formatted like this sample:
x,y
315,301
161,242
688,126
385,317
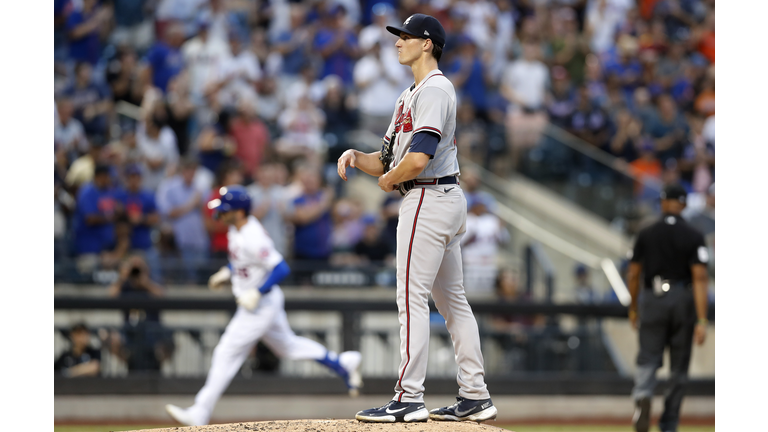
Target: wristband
x,y
703,321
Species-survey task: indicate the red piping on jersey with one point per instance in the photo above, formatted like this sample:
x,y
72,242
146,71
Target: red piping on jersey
x,y
430,128
407,308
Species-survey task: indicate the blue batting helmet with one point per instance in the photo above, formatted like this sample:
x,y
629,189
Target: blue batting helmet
x,y
232,198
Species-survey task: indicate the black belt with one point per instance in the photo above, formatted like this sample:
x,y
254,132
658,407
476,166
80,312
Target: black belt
x,y
410,184
672,285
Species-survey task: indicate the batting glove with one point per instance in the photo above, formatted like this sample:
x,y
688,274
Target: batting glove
x,y
249,299
217,279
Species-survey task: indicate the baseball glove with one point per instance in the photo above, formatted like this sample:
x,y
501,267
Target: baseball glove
x,y
387,156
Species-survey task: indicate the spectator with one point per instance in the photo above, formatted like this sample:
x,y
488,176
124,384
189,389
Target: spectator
x,y
180,202
471,136
601,21
132,26
481,20
179,110
82,169
81,359
203,57
641,105
668,129
158,151
377,83
508,291
337,46
122,76
628,137
163,61
647,169
143,217
469,75
504,37
267,194
229,174
383,14
85,27
97,210
373,247
237,75
524,85
92,103
590,122
701,217
480,247
184,13
310,213
251,136
215,143
561,101
294,44
705,101
341,117
68,136
143,343
569,47
302,126
626,70
698,161
585,292
346,215
703,37
470,183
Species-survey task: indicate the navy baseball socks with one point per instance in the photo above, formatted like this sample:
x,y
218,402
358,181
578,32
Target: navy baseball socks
x,y
347,366
465,410
395,412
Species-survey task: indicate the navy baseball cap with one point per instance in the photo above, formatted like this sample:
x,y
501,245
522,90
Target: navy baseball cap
x,y
422,26
674,192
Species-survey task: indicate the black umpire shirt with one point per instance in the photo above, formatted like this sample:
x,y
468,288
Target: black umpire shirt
x,y
668,248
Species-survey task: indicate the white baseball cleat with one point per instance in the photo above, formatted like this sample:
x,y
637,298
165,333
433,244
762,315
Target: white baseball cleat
x,y
184,416
350,361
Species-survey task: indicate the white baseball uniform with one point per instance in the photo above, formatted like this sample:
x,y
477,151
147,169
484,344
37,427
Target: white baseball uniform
x,y
252,256
431,225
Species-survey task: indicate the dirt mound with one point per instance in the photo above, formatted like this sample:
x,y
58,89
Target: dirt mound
x,y
335,426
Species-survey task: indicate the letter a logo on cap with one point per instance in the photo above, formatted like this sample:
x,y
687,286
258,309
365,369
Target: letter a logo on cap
x,y
408,20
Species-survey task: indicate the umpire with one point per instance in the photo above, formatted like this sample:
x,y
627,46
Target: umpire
x,y
668,282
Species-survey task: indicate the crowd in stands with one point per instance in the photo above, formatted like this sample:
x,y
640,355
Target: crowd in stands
x,y
159,103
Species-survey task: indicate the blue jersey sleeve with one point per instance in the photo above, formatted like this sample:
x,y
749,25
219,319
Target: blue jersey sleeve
x,y
424,142
278,274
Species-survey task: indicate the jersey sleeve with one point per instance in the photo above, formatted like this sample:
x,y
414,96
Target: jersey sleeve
x,y
430,111
638,251
700,253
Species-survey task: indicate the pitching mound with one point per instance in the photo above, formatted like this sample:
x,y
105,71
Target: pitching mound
x,y
335,426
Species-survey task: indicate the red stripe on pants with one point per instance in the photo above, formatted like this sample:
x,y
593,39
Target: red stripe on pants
x,y
407,309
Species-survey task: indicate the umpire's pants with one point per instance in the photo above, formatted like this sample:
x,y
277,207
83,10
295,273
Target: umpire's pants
x,y
665,321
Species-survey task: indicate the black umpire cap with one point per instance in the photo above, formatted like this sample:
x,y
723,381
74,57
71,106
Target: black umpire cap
x,y
674,192
422,26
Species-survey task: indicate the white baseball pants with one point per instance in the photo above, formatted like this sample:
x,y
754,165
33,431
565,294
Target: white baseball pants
x,y
429,231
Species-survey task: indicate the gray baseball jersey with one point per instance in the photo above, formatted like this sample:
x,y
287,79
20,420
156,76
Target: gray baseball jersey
x,y
429,106
431,224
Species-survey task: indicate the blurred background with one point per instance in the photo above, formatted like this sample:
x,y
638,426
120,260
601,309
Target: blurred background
x,y
572,115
